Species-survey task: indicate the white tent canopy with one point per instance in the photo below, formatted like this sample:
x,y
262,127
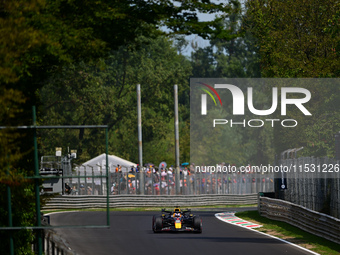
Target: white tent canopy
x,y
99,163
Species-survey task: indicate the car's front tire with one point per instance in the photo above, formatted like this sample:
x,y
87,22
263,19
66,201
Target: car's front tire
x,y
198,224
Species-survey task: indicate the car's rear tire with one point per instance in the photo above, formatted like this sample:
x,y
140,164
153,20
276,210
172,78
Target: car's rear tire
x,y
198,224
153,223
157,224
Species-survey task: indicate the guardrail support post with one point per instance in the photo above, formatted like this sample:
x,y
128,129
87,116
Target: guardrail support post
x,y
10,222
37,189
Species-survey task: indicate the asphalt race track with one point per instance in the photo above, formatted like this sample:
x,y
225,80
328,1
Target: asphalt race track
x,y
130,233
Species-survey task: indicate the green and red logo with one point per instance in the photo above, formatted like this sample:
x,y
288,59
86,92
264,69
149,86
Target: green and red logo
x,y
204,97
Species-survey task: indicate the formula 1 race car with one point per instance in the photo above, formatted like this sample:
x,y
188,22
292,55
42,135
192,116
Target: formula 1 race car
x,y
177,220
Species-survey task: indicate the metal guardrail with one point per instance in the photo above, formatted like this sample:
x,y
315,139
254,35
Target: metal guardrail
x,y
84,202
55,244
313,222
52,243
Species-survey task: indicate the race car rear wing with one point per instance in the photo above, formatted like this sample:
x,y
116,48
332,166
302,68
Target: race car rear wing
x,y
182,211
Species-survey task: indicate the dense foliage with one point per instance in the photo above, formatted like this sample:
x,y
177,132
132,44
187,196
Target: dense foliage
x,y
300,39
105,93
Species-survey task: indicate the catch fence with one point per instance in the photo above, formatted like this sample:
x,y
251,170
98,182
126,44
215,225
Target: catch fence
x,y
128,183
313,183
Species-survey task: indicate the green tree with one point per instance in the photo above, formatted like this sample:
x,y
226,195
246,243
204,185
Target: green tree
x,y
233,56
12,178
292,39
48,33
105,93
301,39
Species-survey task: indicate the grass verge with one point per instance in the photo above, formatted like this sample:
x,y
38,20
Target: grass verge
x,y
292,234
